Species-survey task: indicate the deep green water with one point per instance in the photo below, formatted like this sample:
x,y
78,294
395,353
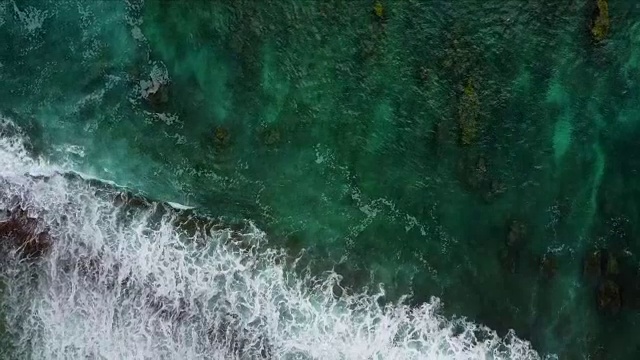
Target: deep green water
x,y
484,152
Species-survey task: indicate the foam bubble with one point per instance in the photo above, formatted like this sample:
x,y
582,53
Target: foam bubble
x,y
31,18
158,78
130,282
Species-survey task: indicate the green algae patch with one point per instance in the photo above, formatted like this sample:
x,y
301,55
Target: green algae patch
x,y
378,9
601,23
468,111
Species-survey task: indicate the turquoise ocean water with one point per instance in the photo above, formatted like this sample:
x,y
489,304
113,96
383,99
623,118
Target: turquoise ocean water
x,y
321,179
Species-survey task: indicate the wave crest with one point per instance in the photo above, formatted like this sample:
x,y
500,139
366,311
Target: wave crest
x,y
127,280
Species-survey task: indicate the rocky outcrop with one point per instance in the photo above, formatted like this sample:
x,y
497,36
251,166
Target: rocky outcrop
x,y
608,297
20,231
592,269
602,272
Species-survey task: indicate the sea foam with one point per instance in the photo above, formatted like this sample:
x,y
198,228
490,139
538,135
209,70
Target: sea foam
x,y
138,282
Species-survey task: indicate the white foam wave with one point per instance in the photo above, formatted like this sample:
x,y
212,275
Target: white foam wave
x,y
128,283
178,206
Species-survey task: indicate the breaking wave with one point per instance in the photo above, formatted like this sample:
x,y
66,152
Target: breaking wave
x,y
116,276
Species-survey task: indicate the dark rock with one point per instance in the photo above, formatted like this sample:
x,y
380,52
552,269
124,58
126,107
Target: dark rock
x,y
468,111
608,298
158,94
612,267
473,171
597,352
221,137
515,238
131,200
481,167
593,265
508,259
20,231
517,233
494,189
549,265
422,74
271,137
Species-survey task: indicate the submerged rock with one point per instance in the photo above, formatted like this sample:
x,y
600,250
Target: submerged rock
x,y
600,263
549,265
221,138
515,238
608,297
131,200
271,137
509,260
159,97
156,92
422,74
474,171
475,174
517,233
20,231
468,111
494,189
612,268
601,22
593,265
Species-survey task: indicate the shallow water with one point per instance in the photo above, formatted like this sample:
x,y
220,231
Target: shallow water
x,y
481,153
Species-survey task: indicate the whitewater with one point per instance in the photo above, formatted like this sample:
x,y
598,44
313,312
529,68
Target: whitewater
x,y
124,279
